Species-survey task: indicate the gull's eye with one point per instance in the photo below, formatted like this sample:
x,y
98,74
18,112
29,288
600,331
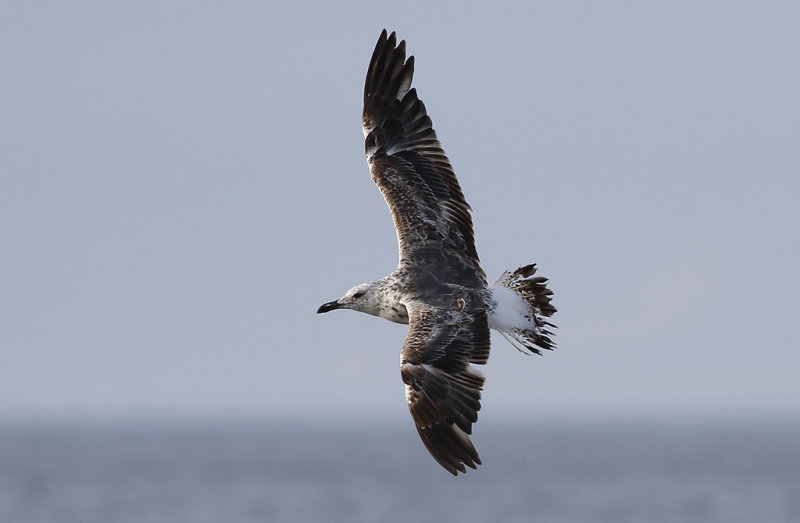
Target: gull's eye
x,y
357,295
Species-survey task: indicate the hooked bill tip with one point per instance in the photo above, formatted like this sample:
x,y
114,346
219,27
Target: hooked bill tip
x,y
325,307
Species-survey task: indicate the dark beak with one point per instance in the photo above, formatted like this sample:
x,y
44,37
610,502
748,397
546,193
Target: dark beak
x,y
330,306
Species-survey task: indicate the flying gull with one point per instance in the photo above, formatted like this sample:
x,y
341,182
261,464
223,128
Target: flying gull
x,y
439,288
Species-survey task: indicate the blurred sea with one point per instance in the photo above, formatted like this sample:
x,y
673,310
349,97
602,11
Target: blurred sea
x,y
557,472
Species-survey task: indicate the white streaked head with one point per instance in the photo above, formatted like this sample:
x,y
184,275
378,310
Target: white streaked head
x,y
363,298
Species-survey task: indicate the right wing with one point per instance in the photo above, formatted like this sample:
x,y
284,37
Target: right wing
x,y
442,389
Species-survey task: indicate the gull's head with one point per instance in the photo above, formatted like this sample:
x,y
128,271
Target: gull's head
x,y
362,298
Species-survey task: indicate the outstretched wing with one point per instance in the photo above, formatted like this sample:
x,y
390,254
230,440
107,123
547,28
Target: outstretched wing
x,y
442,389
413,172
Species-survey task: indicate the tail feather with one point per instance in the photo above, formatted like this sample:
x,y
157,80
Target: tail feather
x,y
530,329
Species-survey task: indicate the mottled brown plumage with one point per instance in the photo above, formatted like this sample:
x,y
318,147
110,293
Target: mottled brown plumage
x,y
439,287
434,228
408,163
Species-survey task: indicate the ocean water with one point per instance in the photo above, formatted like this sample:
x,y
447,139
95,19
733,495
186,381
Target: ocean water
x,y
557,472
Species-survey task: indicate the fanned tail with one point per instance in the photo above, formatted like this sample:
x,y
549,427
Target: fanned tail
x,y
520,315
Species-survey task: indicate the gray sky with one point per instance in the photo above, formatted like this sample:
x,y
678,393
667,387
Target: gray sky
x,y
183,183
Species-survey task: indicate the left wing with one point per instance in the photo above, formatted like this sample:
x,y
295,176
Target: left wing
x,y
412,171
